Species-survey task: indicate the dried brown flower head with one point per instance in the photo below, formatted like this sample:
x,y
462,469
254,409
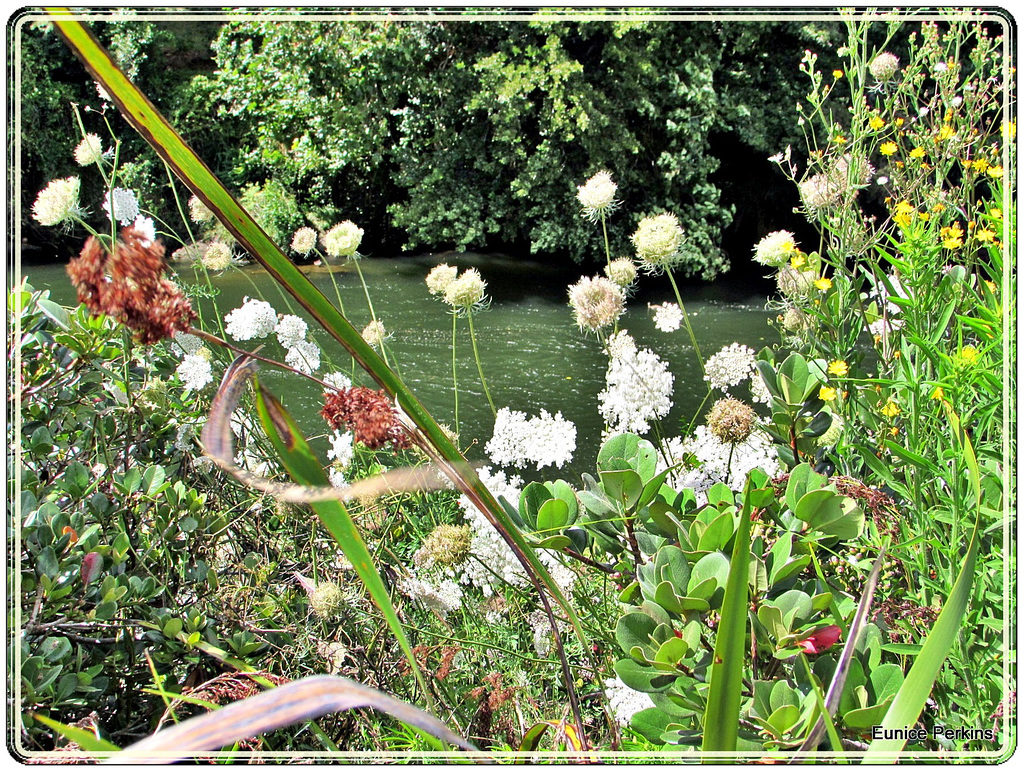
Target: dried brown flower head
x,y
731,421
129,286
368,413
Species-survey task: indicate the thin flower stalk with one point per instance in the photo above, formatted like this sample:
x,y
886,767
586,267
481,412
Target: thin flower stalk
x,y
479,367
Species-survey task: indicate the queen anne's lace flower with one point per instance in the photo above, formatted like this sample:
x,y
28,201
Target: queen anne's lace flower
x,y
375,334
467,291
596,302
217,256
443,596
667,317
146,229
597,195
729,367
304,356
657,241
623,702
341,451
884,66
58,202
198,212
304,240
254,319
775,249
440,277
290,330
343,239
718,461
638,387
89,150
731,421
121,205
621,271
338,380
541,440
195,371
492,560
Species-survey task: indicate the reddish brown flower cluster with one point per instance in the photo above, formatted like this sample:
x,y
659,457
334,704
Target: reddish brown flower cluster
x,y
129,286
368,413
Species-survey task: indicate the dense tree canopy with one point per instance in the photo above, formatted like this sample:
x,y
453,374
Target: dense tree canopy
x,y
435,133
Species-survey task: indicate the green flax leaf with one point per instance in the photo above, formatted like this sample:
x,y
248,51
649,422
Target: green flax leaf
x,y
722,714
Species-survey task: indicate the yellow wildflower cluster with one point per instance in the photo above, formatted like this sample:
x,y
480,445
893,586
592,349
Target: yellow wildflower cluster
x,y
952,236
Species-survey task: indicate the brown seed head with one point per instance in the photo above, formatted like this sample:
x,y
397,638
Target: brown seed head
x,y
129,286
368,413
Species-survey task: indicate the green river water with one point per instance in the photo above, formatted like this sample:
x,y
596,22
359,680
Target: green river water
x,y
533,355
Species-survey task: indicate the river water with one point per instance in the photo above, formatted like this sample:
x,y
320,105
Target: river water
x,y
533,355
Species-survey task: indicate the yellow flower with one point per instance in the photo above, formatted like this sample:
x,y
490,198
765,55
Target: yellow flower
x,y
837,74
967,163
946,132
952,236
980,165
995,172
839,368
827,393
969,354
798,261
890,409
876,122
991,286
938,393
894,431
985,236
899,121
995,213
902,214
917,152
1009,130
824,284
839,139
888,148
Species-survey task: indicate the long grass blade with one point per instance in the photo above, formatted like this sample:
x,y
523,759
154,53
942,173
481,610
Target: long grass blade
x,y
722,714
282,706
305,468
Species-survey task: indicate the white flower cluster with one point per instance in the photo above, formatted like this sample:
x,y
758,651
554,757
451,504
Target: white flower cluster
x,y
121,205
58,202
719,461
89,150
667,317
443,597
541,440
730,367
195,371
253,319
338,381
775,249
304,356
343,239
624,702
290,330
597,195
341,450
543,634
638,386
491,558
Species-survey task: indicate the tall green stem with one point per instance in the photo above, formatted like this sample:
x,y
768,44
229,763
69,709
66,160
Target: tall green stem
x,y
369,304
455,378
607,249
479,368
686,321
